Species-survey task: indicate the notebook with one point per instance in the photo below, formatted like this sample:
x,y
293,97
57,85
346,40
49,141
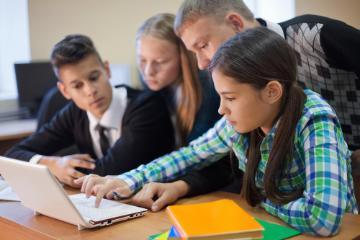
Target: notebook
x,y
275,231
222,219
39,190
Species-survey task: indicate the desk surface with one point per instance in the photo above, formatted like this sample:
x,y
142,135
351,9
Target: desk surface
x,y
17,129
18,222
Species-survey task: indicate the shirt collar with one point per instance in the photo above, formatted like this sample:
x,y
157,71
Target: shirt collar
x,y
272,26
112,117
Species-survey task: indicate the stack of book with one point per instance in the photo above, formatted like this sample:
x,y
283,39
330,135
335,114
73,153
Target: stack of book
x,y
222,219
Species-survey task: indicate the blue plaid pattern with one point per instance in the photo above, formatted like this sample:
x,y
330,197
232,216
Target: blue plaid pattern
x,y
320,165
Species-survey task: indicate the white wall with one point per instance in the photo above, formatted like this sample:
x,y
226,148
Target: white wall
x,y
111,24
345,10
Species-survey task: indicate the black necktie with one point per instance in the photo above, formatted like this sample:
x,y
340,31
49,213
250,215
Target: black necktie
x,y
104,141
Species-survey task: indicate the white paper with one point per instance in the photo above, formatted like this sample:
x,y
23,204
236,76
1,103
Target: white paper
x,y
6,193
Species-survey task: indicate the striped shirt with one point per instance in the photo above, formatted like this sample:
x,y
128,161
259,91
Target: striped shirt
x,y
320,165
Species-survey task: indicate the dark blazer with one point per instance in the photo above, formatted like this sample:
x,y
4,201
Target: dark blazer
x,y
146,133
52,102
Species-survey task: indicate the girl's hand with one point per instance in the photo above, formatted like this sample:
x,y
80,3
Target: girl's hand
x,y
103,187
156,196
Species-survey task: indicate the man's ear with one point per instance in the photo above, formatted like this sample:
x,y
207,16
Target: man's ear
x,y
236,21
63,91
273,92
107,68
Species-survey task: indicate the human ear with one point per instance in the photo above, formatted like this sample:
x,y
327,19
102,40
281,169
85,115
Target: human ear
x,y
62,89
107,69
236,21
273,92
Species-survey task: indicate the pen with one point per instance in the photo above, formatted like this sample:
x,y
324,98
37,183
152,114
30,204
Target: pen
x,y
117,196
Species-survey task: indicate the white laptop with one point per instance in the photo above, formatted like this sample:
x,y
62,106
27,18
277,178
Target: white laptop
x,y
39,190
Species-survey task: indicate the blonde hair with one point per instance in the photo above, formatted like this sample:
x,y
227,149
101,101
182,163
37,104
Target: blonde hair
x,y
188,97
191,10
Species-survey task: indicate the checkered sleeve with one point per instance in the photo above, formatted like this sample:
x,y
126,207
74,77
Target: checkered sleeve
x,y
203,151
321,208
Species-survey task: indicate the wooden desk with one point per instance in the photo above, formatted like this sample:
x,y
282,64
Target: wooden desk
x,y
18,222
12,132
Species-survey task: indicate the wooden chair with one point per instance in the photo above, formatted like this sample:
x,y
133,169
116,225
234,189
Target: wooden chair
x,y
355,164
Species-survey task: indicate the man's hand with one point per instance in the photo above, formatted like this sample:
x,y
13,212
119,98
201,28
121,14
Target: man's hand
x,y
156,196
64,167
103,187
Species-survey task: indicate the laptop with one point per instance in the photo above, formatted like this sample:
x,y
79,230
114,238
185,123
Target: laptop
x,y
39,190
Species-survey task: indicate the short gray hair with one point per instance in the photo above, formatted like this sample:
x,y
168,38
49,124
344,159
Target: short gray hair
x,y
191,10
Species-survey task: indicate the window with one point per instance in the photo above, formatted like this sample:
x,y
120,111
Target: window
x,y
272,10
14,43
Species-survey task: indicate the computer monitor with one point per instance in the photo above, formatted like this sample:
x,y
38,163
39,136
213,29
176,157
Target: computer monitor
x,y
34,79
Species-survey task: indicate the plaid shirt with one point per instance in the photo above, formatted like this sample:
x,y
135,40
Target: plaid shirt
x,y
320,165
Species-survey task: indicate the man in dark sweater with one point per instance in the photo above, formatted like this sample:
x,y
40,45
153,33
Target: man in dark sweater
x,y
114,129
328,54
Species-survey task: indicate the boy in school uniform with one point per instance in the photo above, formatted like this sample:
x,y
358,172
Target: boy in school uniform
x,y
115,129
328,62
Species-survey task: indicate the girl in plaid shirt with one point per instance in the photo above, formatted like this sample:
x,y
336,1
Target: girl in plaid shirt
x,y
288,141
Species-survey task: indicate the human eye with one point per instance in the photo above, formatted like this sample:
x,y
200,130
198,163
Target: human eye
x,y
162,62
229,99
77,85
203,45
142,60
94,76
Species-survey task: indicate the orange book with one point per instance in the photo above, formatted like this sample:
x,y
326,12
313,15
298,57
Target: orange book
x,y
222,219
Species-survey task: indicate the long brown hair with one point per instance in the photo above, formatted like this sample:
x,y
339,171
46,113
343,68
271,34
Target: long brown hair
x,y
188,93
257,56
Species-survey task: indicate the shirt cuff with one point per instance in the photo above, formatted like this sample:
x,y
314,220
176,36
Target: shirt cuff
x,y
35,159
130,182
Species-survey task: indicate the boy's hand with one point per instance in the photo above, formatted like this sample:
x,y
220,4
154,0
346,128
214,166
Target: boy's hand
x,y
64,167
156,196
103,187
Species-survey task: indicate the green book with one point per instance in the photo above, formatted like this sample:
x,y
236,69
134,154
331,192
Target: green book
x,y
275,231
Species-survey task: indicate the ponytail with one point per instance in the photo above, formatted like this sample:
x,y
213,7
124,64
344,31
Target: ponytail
x,y
255,57
280,154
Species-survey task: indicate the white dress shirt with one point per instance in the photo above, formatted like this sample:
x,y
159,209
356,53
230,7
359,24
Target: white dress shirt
x,y
111,120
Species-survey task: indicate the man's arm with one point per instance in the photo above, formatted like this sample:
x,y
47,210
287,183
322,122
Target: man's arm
x,y
213,177
341,45
55,135
147,133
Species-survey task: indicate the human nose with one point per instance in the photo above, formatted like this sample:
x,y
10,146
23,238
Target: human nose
x,y
90,89
149,69
203,61
222,109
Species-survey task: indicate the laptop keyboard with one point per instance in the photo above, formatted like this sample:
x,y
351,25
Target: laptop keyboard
x,y
108,209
